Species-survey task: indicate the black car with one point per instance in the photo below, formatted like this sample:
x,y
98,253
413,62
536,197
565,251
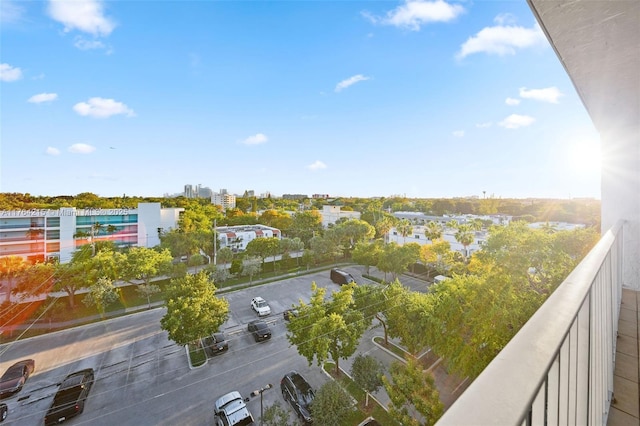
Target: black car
x,y
215,344
299,393
290,313
4,410
14,378
260,330
71,396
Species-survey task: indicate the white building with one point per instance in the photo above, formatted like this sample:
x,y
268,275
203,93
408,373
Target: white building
x,y
237,237
41,234
224,199
418,236
331,214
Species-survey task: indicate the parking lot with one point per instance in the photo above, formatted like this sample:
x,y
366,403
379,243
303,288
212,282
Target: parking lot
x,y
144,378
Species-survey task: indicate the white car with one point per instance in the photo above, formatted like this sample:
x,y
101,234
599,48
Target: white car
x,y
261,307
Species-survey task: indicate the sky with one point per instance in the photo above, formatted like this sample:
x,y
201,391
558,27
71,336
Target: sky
x,y
422,99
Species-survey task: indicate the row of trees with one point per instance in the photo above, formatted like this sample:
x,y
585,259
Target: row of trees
x,y
246,212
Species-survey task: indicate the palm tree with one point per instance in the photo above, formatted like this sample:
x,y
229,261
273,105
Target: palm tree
x,y
465,236
433,230
405,228
384,225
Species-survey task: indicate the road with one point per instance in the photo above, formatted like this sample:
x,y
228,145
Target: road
x,y
142,378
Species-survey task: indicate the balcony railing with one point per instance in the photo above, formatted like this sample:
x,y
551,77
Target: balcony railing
x,y
558,369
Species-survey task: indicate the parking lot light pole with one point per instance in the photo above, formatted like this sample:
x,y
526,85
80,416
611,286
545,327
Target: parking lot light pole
x,y
259,392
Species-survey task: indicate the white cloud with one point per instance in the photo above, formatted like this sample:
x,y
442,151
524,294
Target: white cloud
x,y
550,94
484,125
502,40
82,15
512,101
52,151
43,97
9,73
256,139
415,13
350,81
317,165
515,120
505,19
81,148
84,44
458,133
10,11
102,108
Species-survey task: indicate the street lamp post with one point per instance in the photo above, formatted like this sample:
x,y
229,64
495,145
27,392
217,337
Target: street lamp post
x,y
259,392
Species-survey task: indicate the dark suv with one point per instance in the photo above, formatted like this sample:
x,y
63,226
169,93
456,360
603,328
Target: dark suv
x,y
299,393
260,330
71,396
215,344
341,277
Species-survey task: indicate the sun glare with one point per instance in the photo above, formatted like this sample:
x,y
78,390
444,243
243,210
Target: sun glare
x,y
584,158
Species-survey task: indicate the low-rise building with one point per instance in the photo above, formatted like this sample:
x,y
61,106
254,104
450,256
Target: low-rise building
x,y
237,237
331,214
45,234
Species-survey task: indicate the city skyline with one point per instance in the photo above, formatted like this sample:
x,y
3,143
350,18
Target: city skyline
x,y
429,99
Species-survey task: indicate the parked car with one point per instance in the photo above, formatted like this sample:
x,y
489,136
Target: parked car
x,y
230,410
341,277
289,313
215,344
261,307
4,411
14,378
71,397
299,393
260,330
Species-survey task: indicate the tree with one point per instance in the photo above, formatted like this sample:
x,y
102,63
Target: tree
x,y
372,302
404,227
367,254
144,264
276,219
384,225
433,230
411,387
465,236
275,415
327,329
307,258
11,267
367,373
146,291
101,294
330,405
437,257
251,266
305,225
263,248
396,259
353,231
193,310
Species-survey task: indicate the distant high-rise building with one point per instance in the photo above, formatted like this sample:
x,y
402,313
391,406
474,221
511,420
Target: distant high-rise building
x,y
227,201
249,193
189,192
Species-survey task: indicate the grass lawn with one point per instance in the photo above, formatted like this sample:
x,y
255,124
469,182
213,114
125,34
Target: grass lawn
x,y
391,347
361,412
197,355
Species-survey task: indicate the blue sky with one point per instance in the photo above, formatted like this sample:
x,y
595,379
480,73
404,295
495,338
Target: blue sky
x,y
346,98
